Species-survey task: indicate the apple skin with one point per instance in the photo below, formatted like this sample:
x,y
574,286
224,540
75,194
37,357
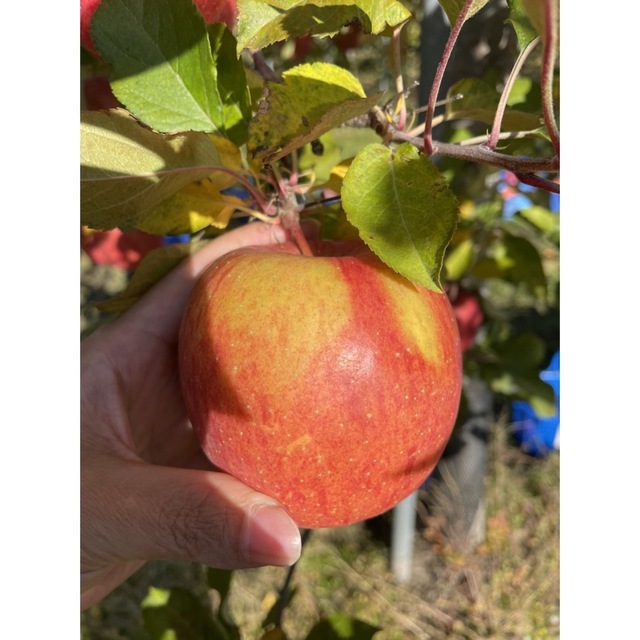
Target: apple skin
x,y
329,382
212,11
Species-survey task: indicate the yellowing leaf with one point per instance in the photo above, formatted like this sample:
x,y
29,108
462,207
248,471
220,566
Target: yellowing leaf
x,y
230,158
127,169
336,177
264,22
312,99
194,207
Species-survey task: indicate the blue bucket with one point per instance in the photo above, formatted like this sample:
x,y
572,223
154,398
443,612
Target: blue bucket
x,y
539,436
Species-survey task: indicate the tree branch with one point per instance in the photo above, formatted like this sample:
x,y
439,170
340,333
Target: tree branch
x,y
481,154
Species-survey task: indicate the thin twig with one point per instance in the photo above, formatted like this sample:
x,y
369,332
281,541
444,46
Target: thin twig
x,y
263,68
437,81
396,57
502,105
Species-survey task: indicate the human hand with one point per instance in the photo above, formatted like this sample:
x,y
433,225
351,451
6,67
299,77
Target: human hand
x,y
147,490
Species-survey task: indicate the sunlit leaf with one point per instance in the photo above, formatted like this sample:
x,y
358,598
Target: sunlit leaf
x,y
264,22
154,266
127,169
166,69
312,99
403,208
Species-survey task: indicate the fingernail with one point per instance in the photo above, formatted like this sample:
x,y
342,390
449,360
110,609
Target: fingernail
x,y
272,537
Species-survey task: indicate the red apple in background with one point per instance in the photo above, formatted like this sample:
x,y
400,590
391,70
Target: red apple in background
x,y
212,11
124,249
329,382
468,314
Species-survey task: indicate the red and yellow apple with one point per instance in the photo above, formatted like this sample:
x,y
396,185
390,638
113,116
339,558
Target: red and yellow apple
x,y
328,382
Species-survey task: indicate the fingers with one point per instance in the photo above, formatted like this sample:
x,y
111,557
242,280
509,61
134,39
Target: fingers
x,y
138,512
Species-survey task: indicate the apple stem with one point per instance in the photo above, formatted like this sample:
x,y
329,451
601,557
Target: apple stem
x,y
290,218
289,212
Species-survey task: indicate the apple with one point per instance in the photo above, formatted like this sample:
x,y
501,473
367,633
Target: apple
x,y
212,11
328,382
124,249
468,314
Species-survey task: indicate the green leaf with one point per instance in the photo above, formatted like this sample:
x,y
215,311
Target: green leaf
x,y
480,100
164,70
459,259
264,22
524,352
403,209
127,169
535,12
453,8
176,614
232,86
312,99
517,373
541,218
524,264
340,626
525,386
525,32
337,146
154,266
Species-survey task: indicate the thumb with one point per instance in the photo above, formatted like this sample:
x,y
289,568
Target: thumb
x,y
144,512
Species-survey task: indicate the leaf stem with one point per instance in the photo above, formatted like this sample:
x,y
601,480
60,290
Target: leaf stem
x,y
396,63
502,105
437,81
